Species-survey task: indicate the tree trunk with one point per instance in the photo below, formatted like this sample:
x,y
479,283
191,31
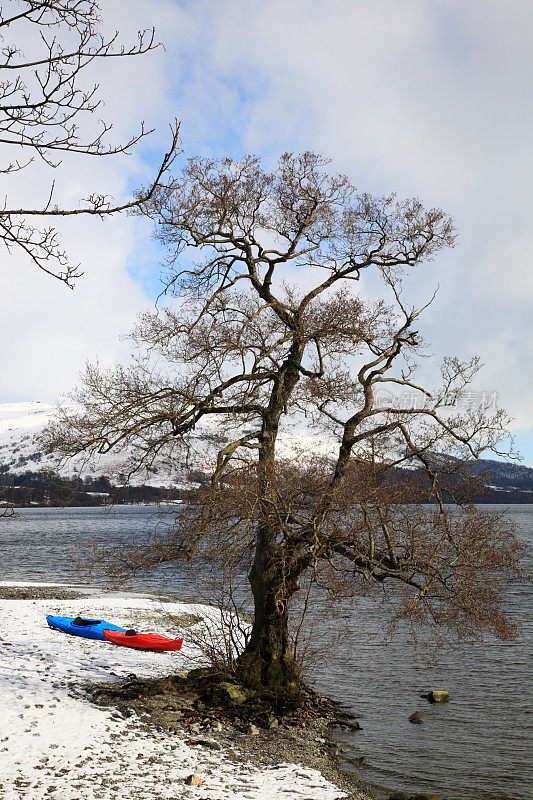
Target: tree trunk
x,y
267,663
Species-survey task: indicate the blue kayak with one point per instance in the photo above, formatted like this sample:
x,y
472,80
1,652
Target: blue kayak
x,y
77,626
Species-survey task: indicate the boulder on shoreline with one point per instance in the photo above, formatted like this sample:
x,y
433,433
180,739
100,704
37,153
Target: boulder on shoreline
x,y
193,780
226,693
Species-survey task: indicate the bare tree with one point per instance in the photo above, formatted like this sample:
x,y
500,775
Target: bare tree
x,y
47,110
244,354
7,509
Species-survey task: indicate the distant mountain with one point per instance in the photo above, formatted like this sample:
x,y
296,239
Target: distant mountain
x,y
504,475
20,423
501,481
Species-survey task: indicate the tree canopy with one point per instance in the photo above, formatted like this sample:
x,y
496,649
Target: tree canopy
x,y
269,327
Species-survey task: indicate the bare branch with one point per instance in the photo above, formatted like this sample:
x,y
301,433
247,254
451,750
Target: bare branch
x,y
43,103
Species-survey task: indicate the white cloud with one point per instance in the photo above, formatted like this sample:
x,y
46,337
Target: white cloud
x,y
48,331
415,97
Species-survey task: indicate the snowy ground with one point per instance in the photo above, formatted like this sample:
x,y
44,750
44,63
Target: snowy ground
x,y
54,744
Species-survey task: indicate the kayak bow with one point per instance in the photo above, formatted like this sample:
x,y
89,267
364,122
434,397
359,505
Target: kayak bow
x,y
77,626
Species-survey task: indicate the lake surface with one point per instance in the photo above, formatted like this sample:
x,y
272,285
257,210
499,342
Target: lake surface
x,y
477,746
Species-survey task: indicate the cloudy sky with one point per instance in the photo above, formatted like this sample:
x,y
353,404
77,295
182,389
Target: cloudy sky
x,y
428,98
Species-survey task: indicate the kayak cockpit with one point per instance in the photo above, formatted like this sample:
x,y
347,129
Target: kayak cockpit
x,y
80,622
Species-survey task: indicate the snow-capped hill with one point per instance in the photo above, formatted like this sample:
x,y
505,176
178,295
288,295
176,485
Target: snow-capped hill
x,y
19,424
18,416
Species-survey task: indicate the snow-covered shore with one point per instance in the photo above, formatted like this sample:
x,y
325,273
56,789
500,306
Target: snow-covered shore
x,y
55,744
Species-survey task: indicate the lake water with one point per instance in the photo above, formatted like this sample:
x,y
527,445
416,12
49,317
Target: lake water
x,y
477,746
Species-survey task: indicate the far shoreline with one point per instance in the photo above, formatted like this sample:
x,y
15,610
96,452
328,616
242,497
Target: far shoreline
x,y
489,501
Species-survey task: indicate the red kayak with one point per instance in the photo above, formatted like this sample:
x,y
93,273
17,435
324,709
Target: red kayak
x,y
142,641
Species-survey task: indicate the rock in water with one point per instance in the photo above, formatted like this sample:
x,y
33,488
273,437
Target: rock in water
x,y
438,696
418,718
407,796
359,762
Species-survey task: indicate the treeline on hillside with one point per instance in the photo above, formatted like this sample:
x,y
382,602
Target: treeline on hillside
x,y
472,482
503,474
483,481
49,489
